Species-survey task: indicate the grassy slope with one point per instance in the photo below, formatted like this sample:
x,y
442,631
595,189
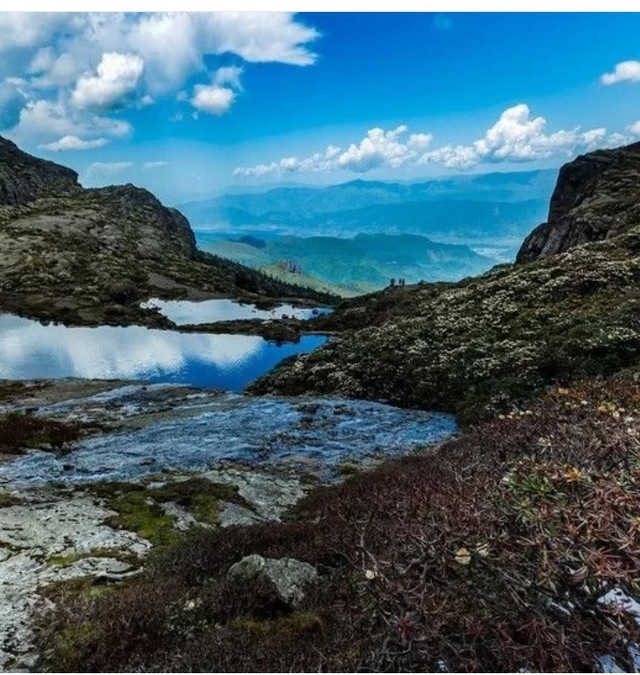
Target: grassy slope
x,y
356,265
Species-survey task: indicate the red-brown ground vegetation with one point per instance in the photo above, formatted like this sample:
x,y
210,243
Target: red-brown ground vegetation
x,y
489,554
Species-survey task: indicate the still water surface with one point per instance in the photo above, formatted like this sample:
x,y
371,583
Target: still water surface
x,y
183,312
29,350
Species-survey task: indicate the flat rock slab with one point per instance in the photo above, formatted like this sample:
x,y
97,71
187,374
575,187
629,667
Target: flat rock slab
x,y
73,524
51,523
270,495
234,514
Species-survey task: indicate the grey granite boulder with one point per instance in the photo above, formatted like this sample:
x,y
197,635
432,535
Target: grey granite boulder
x,y
288,577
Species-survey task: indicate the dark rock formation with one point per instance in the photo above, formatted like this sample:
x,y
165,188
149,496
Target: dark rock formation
x,y
24,178
597,196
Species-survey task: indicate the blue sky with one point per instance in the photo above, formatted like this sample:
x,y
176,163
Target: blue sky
x,y
187,105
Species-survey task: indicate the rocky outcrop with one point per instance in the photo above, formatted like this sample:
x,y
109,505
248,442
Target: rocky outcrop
x,y
157,231
287,577
597,196
88,256
24,178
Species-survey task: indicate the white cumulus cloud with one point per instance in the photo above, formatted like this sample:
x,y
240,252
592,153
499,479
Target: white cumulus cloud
x,y
50,70
625,71
42,118
113,86
42,121
26,29
102,168
381,147
635,128
516,136
74,143
228,75
452,156
378,148
258,37
88,63
213,99
218,97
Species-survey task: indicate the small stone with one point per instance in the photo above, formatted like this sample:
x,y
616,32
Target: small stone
x,y
463,556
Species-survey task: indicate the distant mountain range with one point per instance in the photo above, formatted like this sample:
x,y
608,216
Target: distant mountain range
x,y
310,201
350,266
442,229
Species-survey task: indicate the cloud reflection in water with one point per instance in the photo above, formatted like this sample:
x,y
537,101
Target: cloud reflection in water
x,y
30,350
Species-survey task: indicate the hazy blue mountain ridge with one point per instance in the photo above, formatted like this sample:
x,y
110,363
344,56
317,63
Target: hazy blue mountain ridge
x,y
360,264
309,201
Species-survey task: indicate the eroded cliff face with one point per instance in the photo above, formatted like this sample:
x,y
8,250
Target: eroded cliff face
x,y
597,196
24,178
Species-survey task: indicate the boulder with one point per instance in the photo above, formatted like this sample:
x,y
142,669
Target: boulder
x,y
288,577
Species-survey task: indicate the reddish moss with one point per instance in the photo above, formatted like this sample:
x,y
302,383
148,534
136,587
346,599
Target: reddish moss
x,y
20,430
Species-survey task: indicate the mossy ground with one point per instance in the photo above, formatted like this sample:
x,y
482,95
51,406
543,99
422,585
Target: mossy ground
x,y
139,507
65,559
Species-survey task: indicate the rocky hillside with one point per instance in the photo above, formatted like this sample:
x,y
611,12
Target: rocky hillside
x,y
479,346
88,256
597,196
24,178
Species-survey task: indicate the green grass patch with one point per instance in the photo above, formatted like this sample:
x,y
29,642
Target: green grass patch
x,y
66,559
139,508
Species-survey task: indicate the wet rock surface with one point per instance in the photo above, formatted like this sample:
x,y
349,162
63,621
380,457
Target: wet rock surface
x,y
167,429
57,522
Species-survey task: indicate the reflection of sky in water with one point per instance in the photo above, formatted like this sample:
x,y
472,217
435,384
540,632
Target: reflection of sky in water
x,y
183,312
30,350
